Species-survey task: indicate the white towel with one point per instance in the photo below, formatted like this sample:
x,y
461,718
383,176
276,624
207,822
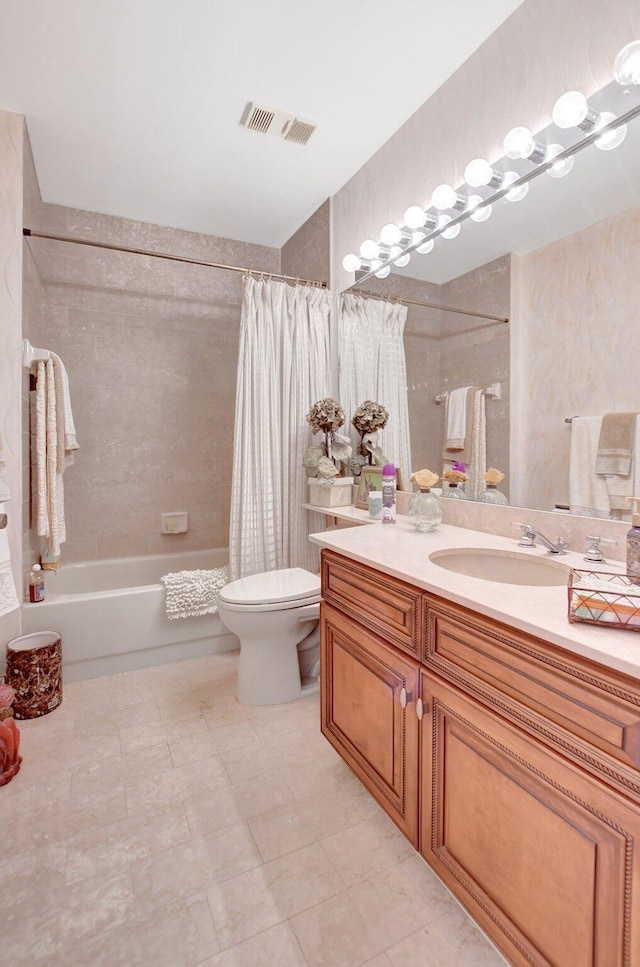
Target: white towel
x,y
475,450
456,419
64,401
5,493
8,596
588,493
190,594
619,488
54,430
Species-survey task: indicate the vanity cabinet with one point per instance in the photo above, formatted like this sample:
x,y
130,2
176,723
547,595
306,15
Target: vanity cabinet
x,y
511,764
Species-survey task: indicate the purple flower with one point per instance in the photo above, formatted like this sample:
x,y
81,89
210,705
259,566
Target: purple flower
x,y
458,465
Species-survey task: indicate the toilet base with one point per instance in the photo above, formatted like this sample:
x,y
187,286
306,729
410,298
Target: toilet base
x,y
271,675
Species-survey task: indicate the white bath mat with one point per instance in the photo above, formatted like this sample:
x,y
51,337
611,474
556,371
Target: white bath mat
x,y
190,594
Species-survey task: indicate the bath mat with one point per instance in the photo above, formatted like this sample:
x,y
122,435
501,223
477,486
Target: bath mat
x,y
190,594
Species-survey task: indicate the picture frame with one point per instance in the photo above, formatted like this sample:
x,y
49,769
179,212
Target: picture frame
x,y
370,479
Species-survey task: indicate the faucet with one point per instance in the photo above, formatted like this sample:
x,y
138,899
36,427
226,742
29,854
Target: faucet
x,y
529,535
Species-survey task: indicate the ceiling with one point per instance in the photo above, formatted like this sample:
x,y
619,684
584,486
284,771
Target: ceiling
x,y
133,106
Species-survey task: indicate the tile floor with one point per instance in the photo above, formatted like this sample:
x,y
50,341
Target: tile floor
x,y
156,821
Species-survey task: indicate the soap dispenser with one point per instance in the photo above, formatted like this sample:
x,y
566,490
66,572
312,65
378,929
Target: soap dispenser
x,y
633,545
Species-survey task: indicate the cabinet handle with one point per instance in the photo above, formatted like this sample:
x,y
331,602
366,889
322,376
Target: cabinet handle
x,y
405,697
421,708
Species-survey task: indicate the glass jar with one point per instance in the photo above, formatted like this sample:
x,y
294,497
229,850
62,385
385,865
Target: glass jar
x,y
455,492
425,512
493,496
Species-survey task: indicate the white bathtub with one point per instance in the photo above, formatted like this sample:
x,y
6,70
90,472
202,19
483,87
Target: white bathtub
x,y
111,615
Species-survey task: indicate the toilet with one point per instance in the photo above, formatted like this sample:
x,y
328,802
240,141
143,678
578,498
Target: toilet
x,y
275,615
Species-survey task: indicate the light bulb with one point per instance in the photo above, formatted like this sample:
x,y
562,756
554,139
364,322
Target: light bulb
x,y
415,217
479,173
375,265
351,263
570,110
516,194
443,197
384,272
403,260
610,139
426,247
448,232
369,249
394,252
478,214
390,234
560,168
626,66
519,143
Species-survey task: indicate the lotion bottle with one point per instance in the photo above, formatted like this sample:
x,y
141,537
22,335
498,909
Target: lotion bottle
x,y
389,494
633,545
36,584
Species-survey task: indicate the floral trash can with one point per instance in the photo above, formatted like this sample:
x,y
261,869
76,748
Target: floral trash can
x,y
34,670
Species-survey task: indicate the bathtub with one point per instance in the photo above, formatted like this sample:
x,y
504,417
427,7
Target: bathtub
x,y
111,615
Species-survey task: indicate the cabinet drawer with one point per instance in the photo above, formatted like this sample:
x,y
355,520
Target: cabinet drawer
x,y
599,705
379,602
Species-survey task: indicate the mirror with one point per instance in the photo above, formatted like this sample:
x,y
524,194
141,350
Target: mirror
x,y
562,265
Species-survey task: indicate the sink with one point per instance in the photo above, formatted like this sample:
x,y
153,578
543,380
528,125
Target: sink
x,y
504,567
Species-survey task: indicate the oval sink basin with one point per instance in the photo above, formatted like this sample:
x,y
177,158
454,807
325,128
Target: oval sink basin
x,y
504,567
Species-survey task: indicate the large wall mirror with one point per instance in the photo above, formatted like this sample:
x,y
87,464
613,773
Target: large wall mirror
x,y
563,266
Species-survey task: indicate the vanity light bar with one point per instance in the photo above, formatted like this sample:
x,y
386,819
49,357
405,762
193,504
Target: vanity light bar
x,y
605,130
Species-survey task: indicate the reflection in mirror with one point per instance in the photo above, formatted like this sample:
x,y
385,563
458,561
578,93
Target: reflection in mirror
x,y
562,265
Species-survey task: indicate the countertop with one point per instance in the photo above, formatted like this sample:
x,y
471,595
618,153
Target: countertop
x,y
399,550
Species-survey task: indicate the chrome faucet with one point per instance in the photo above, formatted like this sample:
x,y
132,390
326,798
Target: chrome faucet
x,y
530,534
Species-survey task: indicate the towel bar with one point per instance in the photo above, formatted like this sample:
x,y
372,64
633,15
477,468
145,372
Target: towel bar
x,y
31,355
493,392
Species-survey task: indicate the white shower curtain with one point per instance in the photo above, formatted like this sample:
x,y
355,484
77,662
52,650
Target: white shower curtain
x,y
373,367
283,368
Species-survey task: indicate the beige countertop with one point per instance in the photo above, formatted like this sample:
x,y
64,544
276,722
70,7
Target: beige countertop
x,y
399,550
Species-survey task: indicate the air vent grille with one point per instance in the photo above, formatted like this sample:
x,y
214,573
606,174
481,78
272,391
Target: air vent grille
x,y
267,120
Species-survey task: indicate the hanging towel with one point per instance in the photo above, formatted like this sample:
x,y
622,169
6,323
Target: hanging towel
x,y
8,596
5,493
588,493
67,428
456,419
190,594
615,445
474,454
621,488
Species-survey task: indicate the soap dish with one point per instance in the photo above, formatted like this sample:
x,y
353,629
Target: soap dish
x,y
602,598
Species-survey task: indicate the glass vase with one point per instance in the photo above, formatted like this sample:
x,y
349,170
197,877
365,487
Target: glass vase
x,y
454,492
493,496
425,512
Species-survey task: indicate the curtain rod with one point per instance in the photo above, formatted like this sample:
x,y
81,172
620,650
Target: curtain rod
x,y
427,305
174,258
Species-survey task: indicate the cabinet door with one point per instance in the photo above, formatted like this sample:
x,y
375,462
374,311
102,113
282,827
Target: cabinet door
x,y
368,693
542,854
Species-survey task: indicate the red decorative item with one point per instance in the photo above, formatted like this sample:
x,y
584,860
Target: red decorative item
x,y
9,747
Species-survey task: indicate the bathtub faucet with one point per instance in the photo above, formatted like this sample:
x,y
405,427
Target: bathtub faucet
x,y
529,535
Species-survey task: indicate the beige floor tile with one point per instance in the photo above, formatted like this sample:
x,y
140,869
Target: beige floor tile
x,y
30,872
166,730
297,824
366,849
450,941
212,742
333,934
94,905
226,712
143,762
265,756
162,878
312,776
276,947
271,893
228,805
380,961
30,931
175,785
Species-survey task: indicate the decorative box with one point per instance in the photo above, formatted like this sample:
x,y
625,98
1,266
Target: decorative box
x,y
602,598
337,493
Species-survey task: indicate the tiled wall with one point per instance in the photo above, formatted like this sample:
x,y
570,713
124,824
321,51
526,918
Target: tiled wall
x,y
307,254
151,348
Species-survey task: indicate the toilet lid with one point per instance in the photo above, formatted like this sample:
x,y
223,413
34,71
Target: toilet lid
x,y
272,587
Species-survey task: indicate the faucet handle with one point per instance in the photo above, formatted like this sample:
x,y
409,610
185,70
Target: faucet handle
x,y
594,551
528,535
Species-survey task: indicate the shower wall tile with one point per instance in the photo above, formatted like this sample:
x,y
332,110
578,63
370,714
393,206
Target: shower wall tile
x,y
307,253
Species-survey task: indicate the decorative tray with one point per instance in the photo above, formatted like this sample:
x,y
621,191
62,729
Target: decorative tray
x,y
602,598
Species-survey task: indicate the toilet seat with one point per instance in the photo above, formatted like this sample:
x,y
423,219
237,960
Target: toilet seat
x,y
272,591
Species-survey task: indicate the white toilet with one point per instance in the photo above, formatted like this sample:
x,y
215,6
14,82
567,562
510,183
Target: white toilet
x,y
275,615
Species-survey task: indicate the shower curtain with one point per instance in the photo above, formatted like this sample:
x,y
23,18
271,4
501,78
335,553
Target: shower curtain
x,y
373,367
283,368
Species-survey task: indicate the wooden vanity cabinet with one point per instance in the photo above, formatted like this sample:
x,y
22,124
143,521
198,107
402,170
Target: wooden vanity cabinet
x,y
520,783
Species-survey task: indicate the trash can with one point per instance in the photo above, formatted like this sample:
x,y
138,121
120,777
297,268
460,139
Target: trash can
x,y
34,670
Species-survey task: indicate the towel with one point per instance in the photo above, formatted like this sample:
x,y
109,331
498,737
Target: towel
x,y
456,419
622,488
620,610
190,594
588,494
67,432
474,455
8,595
5,493
615,445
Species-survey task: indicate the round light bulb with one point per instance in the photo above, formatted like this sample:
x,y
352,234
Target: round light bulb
x,y
479,214
415,217
395,251
351,263
519,143
369,249
516,194
390,234
610,139
384,272
426,247
403,260
448,232
375,265
478,173
626,66
560,168
443,197
570,110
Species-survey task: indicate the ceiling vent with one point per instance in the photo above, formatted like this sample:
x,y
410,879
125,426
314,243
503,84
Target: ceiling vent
x,y
268,120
